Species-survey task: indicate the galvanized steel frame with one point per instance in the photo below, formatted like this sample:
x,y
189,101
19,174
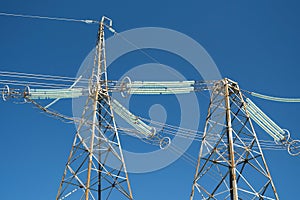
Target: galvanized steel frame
x,y
96,168
231,164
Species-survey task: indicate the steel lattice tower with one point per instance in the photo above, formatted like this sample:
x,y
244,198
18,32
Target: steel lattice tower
x,y
231,164
95,168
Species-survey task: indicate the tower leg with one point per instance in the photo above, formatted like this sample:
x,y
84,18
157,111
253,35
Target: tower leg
x,y
232,173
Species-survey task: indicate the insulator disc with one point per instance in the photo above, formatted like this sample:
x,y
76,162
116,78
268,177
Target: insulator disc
x,y
294,148
93,84
26,93
125,88
5,93
164,142
287,136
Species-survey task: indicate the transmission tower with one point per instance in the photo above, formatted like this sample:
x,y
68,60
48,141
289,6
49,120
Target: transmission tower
x,y
95,168
231,164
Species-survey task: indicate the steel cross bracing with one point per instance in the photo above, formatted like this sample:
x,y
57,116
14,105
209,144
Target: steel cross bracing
x,y
230,159
95,168
231,164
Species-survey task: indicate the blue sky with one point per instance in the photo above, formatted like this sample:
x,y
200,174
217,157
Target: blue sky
x,y
255,43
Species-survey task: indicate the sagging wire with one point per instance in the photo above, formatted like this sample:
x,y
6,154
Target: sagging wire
x,y
190,134
38,76
36,84
44,76
35,80
266,145
62,82
155,141
197,135
273,98
63,118
188,157
139,49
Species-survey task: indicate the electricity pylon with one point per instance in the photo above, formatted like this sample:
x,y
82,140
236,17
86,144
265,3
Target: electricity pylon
x,y
231,164
95,168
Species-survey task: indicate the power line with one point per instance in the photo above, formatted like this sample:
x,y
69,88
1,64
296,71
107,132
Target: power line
x,y
86,21
279,99
273,98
